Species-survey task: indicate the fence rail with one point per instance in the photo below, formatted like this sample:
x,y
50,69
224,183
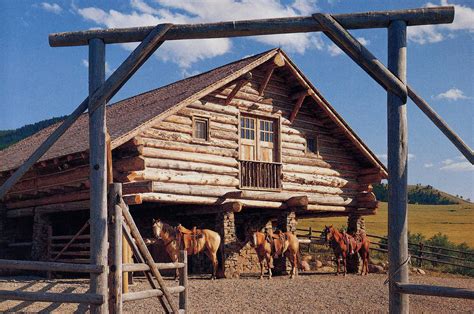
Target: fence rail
x,y
417,250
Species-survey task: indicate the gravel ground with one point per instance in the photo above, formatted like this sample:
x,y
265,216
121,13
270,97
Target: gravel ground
x,y
307,293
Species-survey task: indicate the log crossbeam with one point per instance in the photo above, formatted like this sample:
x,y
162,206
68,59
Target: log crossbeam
x,y
240,83
278,61
298,104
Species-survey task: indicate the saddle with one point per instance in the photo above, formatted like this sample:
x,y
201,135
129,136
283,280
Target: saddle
x,y
277,242
189,238
350,242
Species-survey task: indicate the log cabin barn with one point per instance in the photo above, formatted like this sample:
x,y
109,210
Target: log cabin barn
x,y
242,147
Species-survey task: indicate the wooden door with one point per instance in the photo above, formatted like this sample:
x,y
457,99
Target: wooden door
x,y
248,138
266,140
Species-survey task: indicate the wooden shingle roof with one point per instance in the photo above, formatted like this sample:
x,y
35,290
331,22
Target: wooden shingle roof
x,y
127,118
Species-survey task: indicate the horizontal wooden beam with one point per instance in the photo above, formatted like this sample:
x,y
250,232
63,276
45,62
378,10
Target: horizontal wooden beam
x,y
50,266
145,294
144,267
381,19
87,298
437,291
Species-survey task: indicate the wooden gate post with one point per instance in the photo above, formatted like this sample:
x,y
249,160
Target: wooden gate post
x,y
183,281
98,174
115,248
397,168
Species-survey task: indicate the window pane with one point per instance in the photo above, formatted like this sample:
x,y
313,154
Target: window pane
x,y
312,145
201,128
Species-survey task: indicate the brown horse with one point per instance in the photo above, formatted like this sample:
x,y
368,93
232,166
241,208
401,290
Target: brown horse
x,y
276,244
344,244
193,241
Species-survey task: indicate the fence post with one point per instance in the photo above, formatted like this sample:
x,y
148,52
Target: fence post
x,y
310,236
115,248
183,281
420,255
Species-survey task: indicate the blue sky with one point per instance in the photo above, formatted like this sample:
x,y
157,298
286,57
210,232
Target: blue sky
x,y
39,82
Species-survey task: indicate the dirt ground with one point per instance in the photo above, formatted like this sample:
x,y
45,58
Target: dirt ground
x,y
307,293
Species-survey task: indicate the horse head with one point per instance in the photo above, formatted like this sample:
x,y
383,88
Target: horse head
x,y
327,233
157,228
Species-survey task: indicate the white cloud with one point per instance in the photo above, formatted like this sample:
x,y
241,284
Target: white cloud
x,y
187,52
335,50
51,7
108,69
428,165
463,21
452,94
457,164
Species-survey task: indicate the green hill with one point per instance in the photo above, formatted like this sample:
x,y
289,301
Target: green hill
x,y
421,194
9,137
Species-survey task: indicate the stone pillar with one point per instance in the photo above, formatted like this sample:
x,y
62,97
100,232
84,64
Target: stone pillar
x,y
41,226
286,221
229,252
355,223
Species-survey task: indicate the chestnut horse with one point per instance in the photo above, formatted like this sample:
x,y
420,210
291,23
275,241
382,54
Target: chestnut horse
x,y
276,244
344,244
193,241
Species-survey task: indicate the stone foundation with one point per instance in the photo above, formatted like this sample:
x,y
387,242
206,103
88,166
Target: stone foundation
x,y
41,229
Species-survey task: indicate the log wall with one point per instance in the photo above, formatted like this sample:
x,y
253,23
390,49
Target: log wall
x,y
206,172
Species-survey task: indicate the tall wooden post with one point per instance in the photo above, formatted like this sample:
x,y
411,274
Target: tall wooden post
x,y
98,174
115,249
397,169
183,281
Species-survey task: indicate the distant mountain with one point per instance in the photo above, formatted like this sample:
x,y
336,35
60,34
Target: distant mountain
x,y
421,194
9,137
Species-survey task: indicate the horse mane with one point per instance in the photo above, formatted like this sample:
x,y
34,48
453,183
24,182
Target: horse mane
x,y
169,229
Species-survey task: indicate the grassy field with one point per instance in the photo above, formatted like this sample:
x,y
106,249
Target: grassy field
x,y
456,221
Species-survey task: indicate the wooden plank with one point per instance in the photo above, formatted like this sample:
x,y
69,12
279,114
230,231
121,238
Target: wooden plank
x,y
397,131
381,19
437,291
144,267
183,281
115,248
140,295
98,172
50,266
119,77
147,256
87,298
442,125
361,55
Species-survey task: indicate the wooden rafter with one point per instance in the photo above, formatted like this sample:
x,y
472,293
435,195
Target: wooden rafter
x,y
240,83
278,61
298,104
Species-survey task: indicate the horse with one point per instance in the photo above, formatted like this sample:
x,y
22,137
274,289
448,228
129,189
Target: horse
x,y
193,241
276,244
343,244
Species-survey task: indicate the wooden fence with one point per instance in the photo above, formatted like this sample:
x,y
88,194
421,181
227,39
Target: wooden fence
x,y
122,229
419,251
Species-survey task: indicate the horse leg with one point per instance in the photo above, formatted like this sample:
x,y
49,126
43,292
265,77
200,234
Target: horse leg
x,y
269,264
338,264
213,258
344,262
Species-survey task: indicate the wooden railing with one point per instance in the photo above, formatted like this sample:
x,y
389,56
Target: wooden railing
x,y
419,251
260,175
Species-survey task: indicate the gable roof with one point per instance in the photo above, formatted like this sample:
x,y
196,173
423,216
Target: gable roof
x,y
127,118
